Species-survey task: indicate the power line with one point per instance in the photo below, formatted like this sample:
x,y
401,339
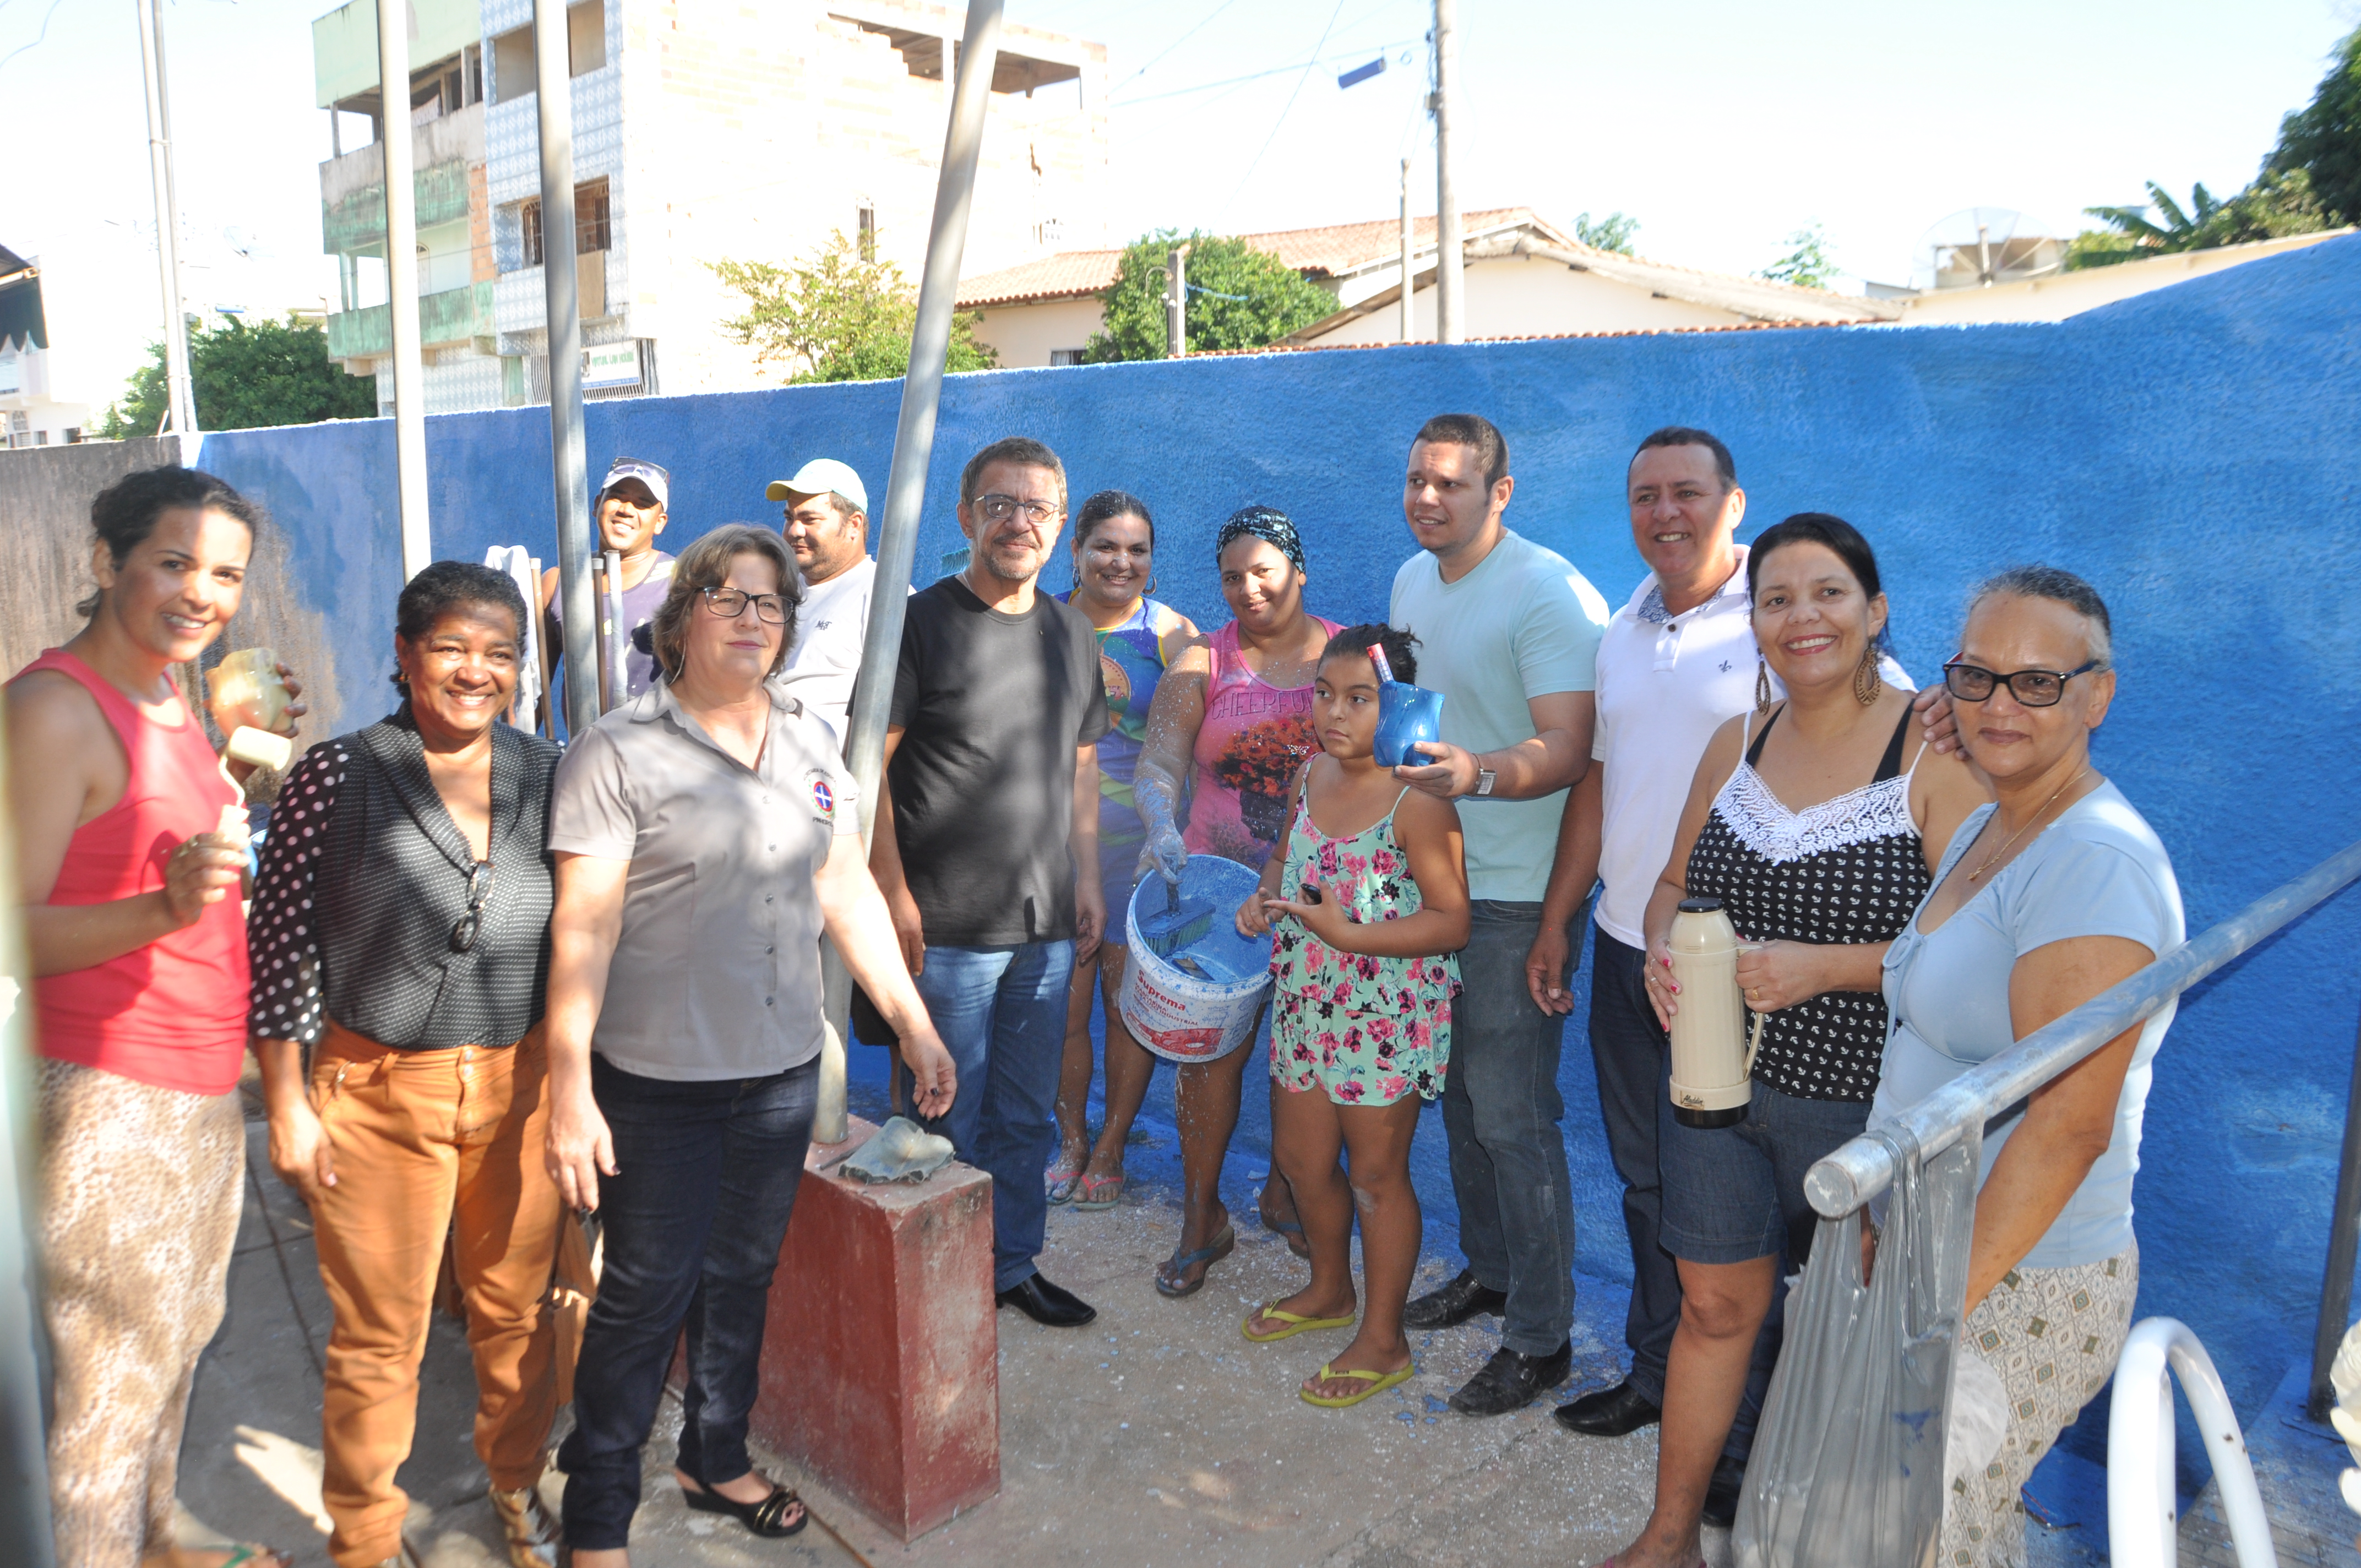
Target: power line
x,y
1176,43
1289,105
44,33
1259,75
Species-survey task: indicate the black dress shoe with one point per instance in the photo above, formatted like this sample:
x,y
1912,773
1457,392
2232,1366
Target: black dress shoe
x,y
1046,1304
1511,1379
1721,1494
1454,1303
1609,1412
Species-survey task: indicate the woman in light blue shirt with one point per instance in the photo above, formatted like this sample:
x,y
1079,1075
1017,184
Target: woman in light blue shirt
x,y
2043,900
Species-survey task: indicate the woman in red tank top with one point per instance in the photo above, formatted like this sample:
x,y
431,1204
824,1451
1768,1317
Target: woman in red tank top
x,y
130,903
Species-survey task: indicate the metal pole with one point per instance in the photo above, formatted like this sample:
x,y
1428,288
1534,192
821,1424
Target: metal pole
x,y
24,1471
570,478
401,281
180,397
1176,303
2343,1240
905,483
1861,1168
1409,276
1450,292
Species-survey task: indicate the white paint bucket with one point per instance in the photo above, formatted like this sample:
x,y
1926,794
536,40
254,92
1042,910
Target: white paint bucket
x,y
1174,1013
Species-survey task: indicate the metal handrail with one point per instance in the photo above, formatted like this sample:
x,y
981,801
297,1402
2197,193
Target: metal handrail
x,y
1864,1167
2141,1512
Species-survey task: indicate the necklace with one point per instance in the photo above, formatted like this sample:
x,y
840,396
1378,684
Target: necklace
x,y
1993,859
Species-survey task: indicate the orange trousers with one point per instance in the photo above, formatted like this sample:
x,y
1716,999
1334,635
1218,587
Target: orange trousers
x,y
429,1144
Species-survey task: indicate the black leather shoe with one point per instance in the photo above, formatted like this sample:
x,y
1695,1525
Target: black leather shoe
x,y
1454,1303
1721,1494
1048,1305
1511,1379
1609,1413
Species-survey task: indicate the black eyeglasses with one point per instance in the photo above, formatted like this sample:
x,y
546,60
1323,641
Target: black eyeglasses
x,y
731,603
1000,508
479,888
2034,689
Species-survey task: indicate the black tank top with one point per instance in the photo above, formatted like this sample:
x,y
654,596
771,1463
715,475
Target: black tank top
x,y
1848,869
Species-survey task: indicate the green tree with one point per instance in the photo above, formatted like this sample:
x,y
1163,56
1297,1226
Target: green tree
x,y
2276,203
246,376
1614,232
2322,139
842,316
1239,298
1808,264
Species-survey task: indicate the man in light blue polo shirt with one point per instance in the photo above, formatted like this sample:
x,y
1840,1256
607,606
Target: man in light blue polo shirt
x,y
1509,632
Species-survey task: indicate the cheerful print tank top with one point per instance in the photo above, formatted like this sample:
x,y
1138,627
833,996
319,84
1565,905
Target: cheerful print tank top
x,y
1255,739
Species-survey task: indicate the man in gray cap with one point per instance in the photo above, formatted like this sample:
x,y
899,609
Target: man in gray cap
x,y
629,511
828,527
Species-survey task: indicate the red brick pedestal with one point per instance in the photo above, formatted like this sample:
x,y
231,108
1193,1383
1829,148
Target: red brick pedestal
x,y
880,1359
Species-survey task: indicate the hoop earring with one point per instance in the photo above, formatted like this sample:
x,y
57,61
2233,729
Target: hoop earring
x,y
1866,682
1150,591
1762,684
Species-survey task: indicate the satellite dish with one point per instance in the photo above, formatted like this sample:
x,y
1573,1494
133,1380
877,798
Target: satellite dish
x,y
1978,247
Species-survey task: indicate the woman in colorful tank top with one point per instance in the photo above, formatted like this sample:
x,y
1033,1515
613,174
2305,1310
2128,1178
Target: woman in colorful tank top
x,y
132,847
1815,822
1115,566
1233,718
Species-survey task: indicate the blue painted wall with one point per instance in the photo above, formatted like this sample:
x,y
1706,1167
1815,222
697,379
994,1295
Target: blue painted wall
x,y
2190,451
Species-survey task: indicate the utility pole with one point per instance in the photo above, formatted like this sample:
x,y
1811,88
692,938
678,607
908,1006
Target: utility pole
x,y
905,498
1176,303
180,397
401,282
561,289
1409,277
1450,292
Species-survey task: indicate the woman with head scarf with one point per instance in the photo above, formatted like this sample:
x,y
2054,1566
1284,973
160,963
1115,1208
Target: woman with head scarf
x,y
1231,717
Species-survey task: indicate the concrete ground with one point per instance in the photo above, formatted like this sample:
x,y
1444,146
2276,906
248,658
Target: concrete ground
x,y
1157,1434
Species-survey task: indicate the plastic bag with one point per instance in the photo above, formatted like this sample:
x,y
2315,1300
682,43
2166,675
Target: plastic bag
x,y
1979,1418
1848,1465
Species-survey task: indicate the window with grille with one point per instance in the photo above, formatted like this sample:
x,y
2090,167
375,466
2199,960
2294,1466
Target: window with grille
x,y
593,230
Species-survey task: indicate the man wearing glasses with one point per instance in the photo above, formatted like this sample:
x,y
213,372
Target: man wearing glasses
x,y
990,811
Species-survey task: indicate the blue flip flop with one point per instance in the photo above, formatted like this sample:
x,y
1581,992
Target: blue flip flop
x,y
1180,1263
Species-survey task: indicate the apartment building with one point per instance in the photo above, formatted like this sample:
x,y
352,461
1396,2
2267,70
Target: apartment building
x,y
703,131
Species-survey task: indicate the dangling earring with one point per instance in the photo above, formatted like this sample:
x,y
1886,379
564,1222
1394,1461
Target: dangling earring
x,y
1761,685
1866,682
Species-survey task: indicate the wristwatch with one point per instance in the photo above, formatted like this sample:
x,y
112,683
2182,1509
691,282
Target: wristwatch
x,y
1485,779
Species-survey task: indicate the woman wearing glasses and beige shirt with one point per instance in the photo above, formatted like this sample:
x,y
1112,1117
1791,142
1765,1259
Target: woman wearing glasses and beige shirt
x,y
705,837
400,930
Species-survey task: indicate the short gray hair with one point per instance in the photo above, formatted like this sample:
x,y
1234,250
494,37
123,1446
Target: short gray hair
x,y
2061,586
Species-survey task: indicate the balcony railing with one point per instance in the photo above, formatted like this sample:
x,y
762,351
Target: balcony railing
x,y
455,315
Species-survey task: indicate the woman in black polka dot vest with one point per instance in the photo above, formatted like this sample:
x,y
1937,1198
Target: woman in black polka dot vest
x,y
1816,821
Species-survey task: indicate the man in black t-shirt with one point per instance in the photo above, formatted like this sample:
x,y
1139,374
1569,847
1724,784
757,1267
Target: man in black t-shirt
x,y
991,808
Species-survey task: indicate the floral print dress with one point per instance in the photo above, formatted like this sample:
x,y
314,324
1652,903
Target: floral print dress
x,y
1366,1030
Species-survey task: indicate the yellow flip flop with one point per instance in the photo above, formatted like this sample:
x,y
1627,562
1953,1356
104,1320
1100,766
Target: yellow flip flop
x,y
1296,1324
1378,1382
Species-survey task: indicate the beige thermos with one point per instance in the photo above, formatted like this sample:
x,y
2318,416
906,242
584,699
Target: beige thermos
x,y
1712,1051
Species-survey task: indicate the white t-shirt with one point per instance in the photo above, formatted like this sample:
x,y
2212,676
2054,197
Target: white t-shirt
x,y
1665,684
827,655
1523,624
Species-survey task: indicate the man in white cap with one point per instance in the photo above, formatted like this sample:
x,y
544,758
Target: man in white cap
x,y
631,513
827,524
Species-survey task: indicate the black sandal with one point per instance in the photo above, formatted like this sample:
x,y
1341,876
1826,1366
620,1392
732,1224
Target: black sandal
x,y
760,1519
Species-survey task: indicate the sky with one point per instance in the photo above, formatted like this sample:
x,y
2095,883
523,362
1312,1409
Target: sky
x,y
1722,130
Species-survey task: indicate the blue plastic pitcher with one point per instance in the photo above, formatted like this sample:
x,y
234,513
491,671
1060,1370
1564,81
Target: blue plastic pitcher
x,y
1406,716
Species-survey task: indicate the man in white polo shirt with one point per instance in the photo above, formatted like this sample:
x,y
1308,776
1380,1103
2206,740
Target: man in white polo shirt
x,y
1509,632
826,525
1677,662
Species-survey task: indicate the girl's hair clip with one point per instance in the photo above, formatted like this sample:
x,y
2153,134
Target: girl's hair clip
x,y
1377,652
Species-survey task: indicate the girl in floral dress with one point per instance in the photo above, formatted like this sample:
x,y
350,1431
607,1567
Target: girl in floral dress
x,y
1369,896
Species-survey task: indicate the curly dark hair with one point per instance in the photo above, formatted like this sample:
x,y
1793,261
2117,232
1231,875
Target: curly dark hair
x,y
443,586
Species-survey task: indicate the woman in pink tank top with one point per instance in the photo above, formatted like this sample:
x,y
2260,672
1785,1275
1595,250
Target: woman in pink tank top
x,y
133,922
1232,717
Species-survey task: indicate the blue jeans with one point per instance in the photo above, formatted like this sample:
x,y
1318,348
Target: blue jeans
x,y
1628,1049
1002,1015
695,1216
1501,1109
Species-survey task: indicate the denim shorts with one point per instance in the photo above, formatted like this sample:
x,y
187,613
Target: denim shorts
x,y
1736,1193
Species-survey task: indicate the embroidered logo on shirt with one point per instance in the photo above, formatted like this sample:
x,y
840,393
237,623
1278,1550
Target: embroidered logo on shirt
x,y
823,796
